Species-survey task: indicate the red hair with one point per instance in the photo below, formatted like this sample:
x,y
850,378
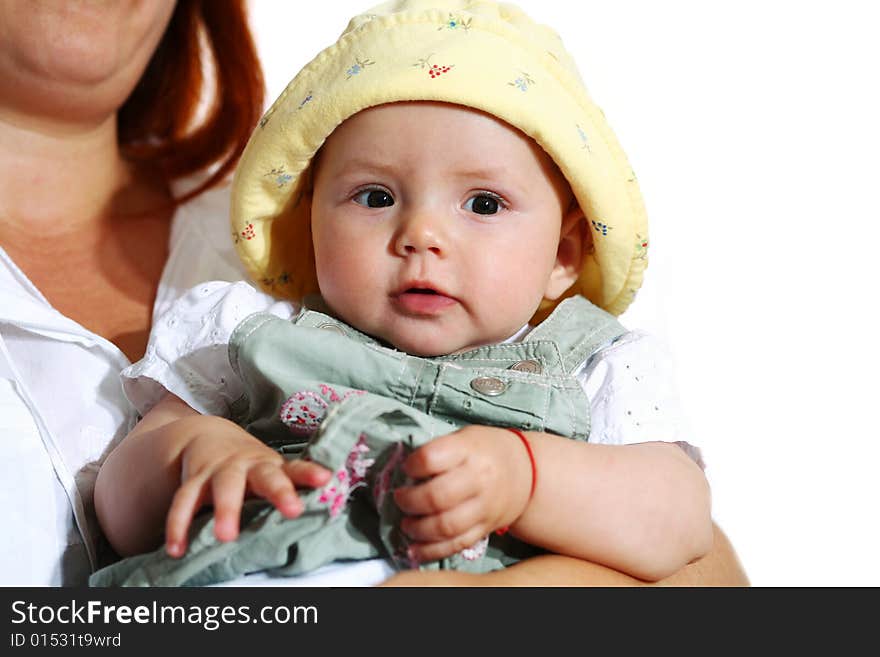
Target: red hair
x,y
157,123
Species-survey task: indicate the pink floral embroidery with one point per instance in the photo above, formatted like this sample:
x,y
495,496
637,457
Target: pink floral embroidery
x,y
476,550
304,411
356,465
403,556
347,479
383,481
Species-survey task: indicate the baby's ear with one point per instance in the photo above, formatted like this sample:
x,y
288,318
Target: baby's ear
x,y
575,242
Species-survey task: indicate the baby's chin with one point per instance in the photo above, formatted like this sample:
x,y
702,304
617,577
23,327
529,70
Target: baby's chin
x,y
426,348
433,346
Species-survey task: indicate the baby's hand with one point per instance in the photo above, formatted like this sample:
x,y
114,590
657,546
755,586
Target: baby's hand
x,y
221,464
478,480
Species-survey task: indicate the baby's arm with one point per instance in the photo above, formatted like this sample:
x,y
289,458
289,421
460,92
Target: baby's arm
x,y
176,460
643,509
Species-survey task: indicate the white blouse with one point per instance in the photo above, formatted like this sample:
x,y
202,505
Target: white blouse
x,y
62,407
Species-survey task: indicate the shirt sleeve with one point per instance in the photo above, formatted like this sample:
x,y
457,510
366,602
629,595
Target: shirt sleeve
x,y
187,354
633,396
200,248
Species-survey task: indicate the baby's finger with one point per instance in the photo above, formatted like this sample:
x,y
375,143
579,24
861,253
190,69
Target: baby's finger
x,y
447,525
306,473
186,501
425,552
269,481
436,495
439,455
227,491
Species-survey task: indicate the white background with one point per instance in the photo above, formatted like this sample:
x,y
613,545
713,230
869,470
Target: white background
x,y
753,128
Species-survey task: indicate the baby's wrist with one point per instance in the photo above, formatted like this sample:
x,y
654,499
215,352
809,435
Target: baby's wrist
x,y
529,481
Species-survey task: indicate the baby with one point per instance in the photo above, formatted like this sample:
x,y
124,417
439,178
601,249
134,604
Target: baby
x,y
452,228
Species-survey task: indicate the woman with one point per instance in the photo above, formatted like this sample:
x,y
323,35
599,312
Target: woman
x,y
100,125
97,109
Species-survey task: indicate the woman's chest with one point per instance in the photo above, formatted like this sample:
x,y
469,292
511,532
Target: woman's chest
x,y
106,283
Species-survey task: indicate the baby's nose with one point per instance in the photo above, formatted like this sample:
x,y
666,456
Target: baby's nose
x,y
420,233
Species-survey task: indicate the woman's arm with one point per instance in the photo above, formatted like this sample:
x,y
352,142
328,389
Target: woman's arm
x,y
720,567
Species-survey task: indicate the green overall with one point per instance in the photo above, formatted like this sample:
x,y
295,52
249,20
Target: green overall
x,y
316,388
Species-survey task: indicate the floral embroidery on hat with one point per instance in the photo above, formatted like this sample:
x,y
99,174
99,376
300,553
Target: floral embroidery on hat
x,y
347,479
306,100
304,411
456,23
600,227
523,82
357,67
267,116
281,176
641,247
584,140
272,283
249,232
434,70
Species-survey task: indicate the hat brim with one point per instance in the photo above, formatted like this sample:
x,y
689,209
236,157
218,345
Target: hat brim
x,y
486,65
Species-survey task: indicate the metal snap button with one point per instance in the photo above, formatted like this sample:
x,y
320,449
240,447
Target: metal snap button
x,y
530,366
330,326
489,386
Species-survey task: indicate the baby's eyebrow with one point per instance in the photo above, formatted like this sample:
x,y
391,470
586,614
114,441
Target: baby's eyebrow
x,y
360,165
488,173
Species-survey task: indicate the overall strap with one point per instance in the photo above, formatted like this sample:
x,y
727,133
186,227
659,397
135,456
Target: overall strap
x,y
278,360
579,329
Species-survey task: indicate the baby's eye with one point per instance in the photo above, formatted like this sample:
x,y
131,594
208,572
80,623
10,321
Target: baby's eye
x,y
484,204
374,198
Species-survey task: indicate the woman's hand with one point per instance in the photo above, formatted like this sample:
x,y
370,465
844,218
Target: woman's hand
x,y
221,464
477,480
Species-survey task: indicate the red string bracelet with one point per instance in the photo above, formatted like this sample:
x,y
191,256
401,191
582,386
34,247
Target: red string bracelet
x,y
501,531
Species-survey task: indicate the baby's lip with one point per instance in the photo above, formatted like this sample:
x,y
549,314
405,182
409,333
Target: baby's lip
x,y
419,286
422,298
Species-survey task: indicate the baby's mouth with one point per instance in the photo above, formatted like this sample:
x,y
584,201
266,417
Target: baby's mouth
x,y
422,301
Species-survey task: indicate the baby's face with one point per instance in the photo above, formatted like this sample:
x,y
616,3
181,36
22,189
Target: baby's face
x,y
436,227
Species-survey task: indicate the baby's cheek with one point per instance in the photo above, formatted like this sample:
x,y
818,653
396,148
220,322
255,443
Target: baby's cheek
x,y
337,269
507,306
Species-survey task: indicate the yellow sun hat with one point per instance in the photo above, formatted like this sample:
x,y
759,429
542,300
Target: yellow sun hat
x,y
486,55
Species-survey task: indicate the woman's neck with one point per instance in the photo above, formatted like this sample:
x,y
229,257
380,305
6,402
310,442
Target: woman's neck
x,y
57,178
88,229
